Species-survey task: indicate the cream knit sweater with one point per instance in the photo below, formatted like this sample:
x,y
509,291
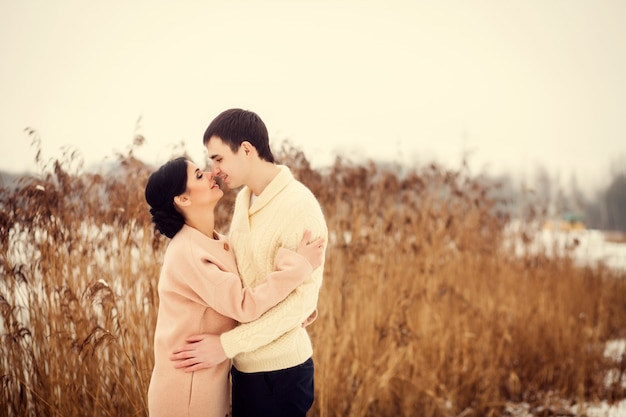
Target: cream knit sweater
x,y
277,218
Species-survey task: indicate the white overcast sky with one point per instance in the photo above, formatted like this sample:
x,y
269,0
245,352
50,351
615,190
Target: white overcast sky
x,y
516,83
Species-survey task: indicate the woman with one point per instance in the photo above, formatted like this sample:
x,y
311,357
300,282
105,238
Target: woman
x,y
199,289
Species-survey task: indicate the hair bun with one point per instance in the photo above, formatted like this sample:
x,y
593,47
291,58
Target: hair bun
x,y
167,222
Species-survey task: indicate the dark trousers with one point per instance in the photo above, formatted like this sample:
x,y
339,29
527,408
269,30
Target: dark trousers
x,y
284,393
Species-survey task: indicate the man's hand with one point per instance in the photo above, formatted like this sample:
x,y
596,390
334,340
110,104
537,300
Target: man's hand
x,y
202,351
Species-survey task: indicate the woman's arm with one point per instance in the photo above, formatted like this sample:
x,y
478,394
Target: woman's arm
x,y
207,350
226,295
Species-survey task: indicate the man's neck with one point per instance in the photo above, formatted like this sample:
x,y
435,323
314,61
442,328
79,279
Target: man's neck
x,y
262,174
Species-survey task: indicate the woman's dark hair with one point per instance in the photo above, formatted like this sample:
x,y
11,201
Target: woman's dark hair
x,y
163,185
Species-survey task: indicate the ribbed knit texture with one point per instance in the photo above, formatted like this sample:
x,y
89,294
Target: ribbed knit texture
x,y
200,292
277,218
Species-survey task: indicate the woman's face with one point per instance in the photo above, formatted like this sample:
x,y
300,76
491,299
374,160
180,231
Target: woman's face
x,y
201,186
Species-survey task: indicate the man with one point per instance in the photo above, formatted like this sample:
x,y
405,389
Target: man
x,y
272,373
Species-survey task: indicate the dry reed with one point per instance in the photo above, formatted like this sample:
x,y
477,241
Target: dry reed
x,y
424,310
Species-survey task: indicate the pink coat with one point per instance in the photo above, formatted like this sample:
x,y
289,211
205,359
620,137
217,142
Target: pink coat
x,y
200,292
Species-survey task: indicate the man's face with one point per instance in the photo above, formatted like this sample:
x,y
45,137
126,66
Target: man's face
x,y
230,166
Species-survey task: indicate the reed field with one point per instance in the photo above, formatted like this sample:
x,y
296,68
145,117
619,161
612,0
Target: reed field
x,y
425,310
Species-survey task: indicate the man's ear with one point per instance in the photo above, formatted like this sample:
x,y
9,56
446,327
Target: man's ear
x,y
182,200
248,148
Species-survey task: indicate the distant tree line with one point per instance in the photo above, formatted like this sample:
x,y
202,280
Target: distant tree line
x,y
608,210
541,197
545,197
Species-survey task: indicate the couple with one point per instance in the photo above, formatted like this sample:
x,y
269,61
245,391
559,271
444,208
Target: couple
x,y
201,297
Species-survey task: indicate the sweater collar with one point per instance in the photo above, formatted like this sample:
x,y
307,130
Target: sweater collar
x,y
280,181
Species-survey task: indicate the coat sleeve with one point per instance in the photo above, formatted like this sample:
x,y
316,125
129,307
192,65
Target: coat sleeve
x,y
223,291
287,315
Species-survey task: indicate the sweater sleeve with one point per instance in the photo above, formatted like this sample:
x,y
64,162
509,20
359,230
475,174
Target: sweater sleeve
x,y
224,291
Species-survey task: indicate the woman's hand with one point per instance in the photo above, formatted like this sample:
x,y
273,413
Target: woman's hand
x,y
313,251
310,319
202,351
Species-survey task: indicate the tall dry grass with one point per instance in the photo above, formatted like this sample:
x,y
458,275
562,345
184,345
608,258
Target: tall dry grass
x,y
424,310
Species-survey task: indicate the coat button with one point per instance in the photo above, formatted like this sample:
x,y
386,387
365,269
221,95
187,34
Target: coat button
x,y
226,247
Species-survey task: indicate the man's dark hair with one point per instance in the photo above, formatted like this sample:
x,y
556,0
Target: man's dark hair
x,y
235,126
